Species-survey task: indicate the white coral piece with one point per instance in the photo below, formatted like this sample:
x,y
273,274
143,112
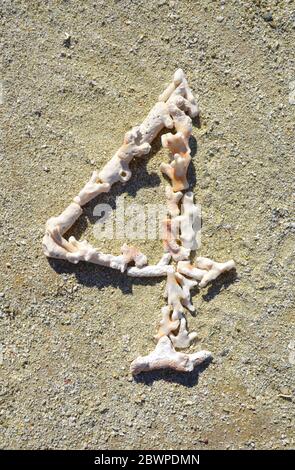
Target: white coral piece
x,y
54,245
175,295
165,260
190,222
173,200
152,270
84,251
186,268
180,88
186,285
131,253
176,143
164,356
182,122
93,188
170,237
176,171
177,80
213,268
183,339
167,325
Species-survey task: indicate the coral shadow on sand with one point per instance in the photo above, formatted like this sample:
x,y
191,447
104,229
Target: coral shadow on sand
x,y
100,276
221,283
187,379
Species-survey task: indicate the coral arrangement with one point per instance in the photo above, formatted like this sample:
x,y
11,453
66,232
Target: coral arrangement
x,y
174,110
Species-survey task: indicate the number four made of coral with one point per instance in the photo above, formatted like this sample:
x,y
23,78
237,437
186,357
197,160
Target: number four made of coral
x,y
174,110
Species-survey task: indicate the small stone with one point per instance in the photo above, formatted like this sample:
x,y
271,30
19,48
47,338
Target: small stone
x,y
225,352
285,391
220,19
67,41
204,441
103,409
268,16
46,169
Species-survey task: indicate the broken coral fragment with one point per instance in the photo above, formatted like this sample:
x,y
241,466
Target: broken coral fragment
x,y
180,88
183,339
165,260
115,170
133,145
173,200
84,251
167,325
176,144
186,285
186,268
182,123
72,250
213,269
93,188
170,237
175,295
54,245
190,222
206,270
184,90
65,220
164,356
176,171
178,78
131,253
153,270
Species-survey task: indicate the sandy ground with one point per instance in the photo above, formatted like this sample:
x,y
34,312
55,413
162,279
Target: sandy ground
x,y
68,333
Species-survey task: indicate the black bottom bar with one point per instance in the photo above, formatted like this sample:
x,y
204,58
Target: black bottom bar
x,y
128,459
